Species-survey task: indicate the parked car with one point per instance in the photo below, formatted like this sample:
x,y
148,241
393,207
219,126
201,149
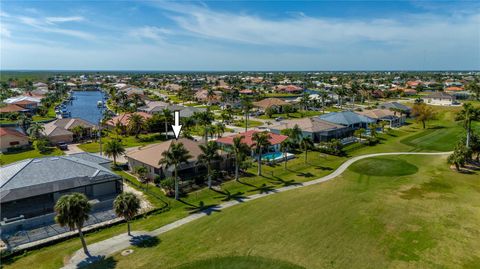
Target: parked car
x,y
279,119
62,146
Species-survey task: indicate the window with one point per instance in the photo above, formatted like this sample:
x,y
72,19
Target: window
x,y
14,143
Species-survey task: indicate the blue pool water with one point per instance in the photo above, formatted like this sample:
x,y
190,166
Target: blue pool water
x,y
272,156
84,106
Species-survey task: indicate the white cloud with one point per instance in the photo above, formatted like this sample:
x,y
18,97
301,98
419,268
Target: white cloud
x,y
150,32
64,19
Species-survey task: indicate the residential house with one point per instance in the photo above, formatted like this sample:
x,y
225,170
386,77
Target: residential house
x,y
440,99
347,118
61,130
318,129
11,139
150,157
394,118
275,103
202,96
275,141
30,188
396,106
152,107
288,89
124,118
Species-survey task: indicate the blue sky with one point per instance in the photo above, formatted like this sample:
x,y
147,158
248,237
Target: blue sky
x,y
240,35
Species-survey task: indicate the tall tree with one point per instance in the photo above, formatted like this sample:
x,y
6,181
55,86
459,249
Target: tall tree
x,y
72,211
286,145
468,114
208,156
136,124
176,155
422,113
246,105
262,140
113,149
24,122
306,144
205,119
167,116
35,131
240,150
127,206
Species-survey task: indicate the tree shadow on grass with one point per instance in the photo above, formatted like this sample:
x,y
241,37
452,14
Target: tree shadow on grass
x,y
246,183
285,183
144,241
207,209
301,174
264,188
98,261
227,195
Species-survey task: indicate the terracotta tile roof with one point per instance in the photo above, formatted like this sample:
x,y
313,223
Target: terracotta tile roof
x,y
24,102
454,89
248,138
152,154
269,102
377,113
11,108
9,131
125,118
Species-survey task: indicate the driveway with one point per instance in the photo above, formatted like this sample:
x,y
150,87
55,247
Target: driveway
x,y
73,148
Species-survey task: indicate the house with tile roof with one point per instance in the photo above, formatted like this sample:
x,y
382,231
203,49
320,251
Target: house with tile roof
x,y
30,188
150,157
275,141
319,130
275,103
394,118
124,118
61,130
11,139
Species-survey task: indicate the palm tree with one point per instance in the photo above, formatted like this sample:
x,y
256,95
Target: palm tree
x,y
176,155
208,156
246,107
24,122
294,134
219,129
467,115
78,131
240,150
167,116
72,211
35,130
359,133
136,124
306,144
286,145
205,119
113,149
373,129
127,205
262,140
323,97
304,101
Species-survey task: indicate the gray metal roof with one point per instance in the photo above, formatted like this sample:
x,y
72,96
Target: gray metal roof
x,y
395,105
42,175
346,118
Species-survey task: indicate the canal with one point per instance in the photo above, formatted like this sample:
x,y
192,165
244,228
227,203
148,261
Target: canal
x,y
84,106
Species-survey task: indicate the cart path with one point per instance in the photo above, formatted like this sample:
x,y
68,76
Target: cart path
x,y
110,246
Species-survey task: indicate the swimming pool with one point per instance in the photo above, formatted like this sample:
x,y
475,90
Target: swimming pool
x,y
276,156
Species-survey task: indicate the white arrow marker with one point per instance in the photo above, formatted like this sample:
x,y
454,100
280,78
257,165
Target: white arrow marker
x,y
177,128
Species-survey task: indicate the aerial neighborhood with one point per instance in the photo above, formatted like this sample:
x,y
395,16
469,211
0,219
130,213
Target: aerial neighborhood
x,y
100,134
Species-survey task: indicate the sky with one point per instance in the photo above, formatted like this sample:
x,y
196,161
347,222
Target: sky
x,y
239,35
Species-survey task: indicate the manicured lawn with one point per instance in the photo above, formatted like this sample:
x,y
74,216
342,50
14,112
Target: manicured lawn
x,y
243,262
324,209
429,219
295,115
127,141
6,158
251,123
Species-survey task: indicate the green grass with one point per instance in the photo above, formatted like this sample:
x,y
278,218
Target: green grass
x,y
251,123
274,177
10,157
384,167
243,262
127,141
295,115
354,221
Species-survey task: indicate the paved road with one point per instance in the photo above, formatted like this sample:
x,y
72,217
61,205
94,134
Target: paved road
x,y
115,244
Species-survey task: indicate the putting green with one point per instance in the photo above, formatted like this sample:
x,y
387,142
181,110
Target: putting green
x,y
384,166
239,262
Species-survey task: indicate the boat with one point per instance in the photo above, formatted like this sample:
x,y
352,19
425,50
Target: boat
x,y
100,104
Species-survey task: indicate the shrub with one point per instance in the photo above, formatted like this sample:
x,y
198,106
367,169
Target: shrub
x,y
41,145
168,185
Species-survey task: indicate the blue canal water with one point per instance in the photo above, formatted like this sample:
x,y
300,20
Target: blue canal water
x,y
84,106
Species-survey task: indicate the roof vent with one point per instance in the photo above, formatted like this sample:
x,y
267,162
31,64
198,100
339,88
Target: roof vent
x,y
54,159
37,161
